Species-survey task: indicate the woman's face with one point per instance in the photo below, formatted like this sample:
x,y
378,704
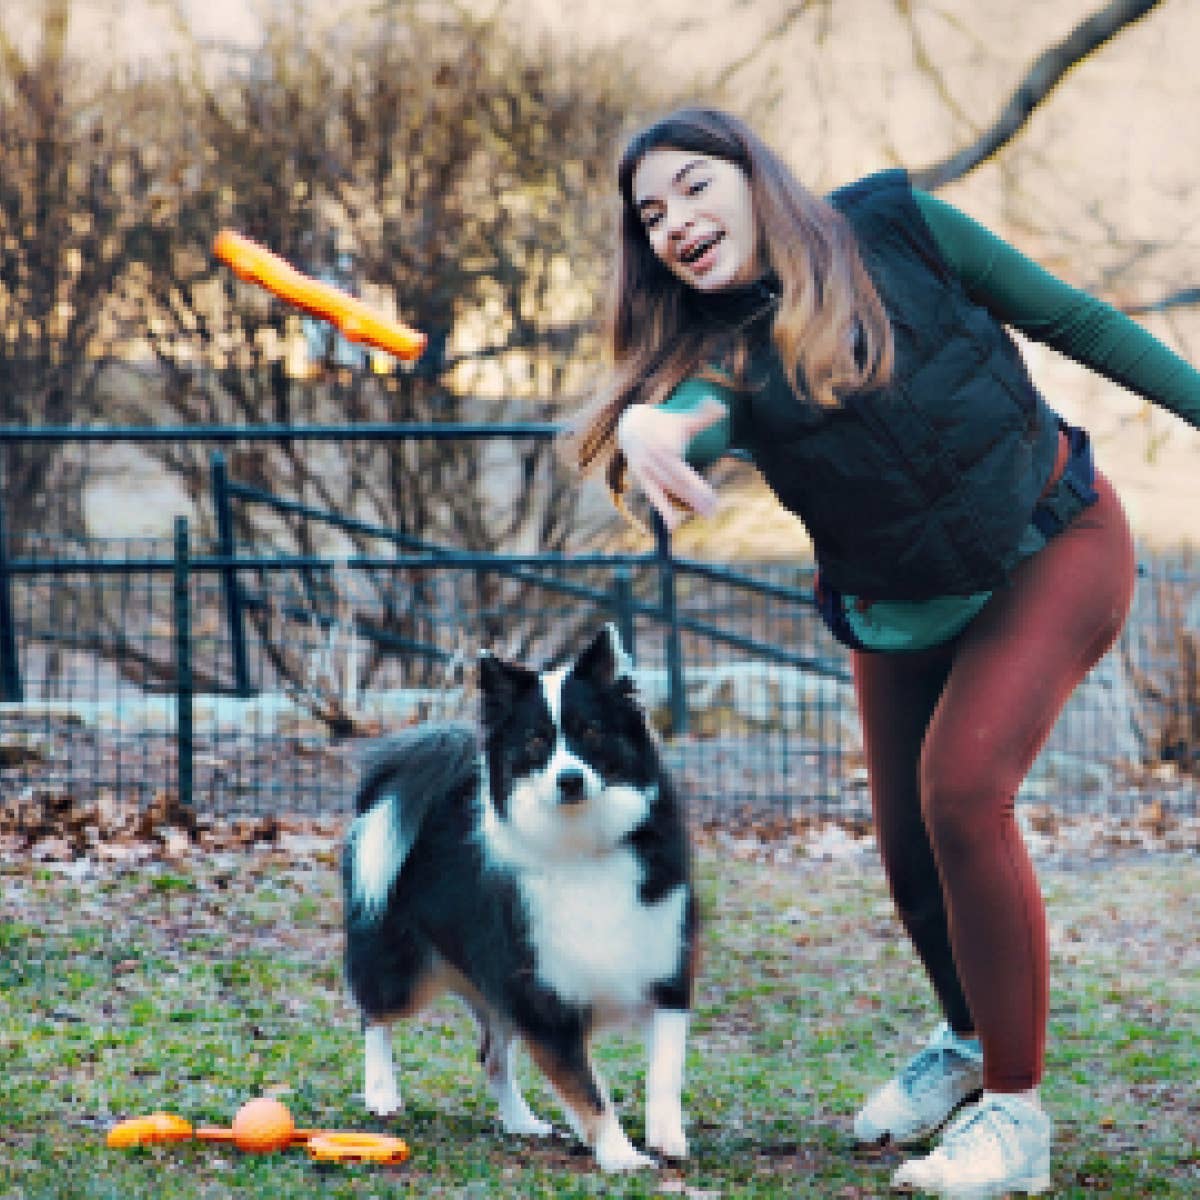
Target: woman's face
x,y
698,217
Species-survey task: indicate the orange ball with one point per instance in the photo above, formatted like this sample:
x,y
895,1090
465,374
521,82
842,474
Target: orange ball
x,y
263,1125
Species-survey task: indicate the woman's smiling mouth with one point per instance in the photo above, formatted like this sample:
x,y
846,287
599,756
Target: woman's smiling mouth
x,y
697,254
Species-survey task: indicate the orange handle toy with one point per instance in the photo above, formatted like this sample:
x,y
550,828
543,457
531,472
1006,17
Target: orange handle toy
x,y
262,1126
355,321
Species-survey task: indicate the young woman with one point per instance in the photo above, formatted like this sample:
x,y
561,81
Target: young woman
x,y
969,553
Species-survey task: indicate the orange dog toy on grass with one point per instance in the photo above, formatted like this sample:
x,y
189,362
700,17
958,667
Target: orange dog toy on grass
x,y
354,320
262,1126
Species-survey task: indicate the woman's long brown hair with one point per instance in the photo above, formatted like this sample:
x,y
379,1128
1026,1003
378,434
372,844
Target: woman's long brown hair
x,y
831,331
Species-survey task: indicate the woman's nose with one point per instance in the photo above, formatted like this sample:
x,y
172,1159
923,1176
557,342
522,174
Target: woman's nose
x,y
678,218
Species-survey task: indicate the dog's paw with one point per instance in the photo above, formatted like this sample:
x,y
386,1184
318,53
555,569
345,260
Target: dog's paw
x,y
664,1133
527,1125
516,1116
615,1152
631,1159
383,1100
671,1145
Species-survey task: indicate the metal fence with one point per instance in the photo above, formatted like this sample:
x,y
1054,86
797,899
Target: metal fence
x,y
134,669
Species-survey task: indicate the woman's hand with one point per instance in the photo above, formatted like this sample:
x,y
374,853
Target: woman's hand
x,y
654,442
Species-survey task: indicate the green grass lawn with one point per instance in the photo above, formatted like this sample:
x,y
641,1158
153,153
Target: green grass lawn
x,y
194,986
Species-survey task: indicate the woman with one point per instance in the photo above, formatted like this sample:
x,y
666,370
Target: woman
x,y
969,553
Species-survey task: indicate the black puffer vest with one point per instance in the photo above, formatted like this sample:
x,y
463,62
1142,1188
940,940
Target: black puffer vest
x,y
923,488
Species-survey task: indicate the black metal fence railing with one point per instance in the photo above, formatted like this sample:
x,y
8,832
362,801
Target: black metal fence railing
x,y
133,668
117,708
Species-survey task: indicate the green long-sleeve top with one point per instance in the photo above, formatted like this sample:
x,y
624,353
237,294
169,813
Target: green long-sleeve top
x,y
1021,294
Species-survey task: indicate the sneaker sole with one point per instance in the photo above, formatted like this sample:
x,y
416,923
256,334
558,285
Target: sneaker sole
x,y
1031,1185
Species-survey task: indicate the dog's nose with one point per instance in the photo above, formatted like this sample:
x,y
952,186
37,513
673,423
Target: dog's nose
x,y
570,787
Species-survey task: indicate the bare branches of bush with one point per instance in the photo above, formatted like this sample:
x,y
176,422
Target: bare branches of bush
x,y
1166,674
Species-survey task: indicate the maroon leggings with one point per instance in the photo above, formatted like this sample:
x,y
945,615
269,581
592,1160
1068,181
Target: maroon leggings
x,y
950,733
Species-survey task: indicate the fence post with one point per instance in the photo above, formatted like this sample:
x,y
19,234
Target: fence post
x,y
183,660
10,663
234,613
666,583
621,605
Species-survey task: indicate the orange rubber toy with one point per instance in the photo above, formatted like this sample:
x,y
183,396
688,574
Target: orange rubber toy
x,y
157,1127
354,320
262,1126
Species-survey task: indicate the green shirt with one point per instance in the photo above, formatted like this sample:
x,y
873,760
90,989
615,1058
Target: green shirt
x,y
1021,294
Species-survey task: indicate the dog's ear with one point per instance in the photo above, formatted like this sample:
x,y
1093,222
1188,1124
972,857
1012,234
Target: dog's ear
x,y
605,660
500,685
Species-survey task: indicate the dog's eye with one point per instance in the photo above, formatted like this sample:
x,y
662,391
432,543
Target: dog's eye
x,y
536,744
590,733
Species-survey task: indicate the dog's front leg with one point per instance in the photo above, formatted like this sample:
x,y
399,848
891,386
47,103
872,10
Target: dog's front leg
x,y
666,1044
569,1069
379,1074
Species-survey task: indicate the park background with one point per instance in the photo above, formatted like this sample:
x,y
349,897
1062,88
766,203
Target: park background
x,y
1099,184
453,162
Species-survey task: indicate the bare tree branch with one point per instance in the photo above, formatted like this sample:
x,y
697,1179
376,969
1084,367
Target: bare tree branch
x,y
926,65
769,37
1041,79
1183,298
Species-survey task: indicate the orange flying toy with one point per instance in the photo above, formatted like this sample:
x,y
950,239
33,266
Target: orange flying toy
x,y
262,1126
354,320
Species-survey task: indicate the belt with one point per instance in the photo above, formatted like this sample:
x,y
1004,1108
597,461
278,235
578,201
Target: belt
x,y
1060,464
1070,489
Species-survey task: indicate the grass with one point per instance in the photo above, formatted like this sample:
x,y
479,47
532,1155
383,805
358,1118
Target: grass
x,y
193,987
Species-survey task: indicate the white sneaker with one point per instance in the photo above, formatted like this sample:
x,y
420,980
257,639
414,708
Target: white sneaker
x,y
918,1101
998,1146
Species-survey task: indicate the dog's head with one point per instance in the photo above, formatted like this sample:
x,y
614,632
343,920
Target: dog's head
x,y
571,762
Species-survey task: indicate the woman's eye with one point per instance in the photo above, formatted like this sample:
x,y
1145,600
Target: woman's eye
x,y
697,185
650,219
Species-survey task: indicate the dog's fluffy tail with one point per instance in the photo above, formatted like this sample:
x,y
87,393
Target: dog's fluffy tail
x,y
402,779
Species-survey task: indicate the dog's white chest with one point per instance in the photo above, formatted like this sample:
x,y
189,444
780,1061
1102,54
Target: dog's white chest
x,y
595,942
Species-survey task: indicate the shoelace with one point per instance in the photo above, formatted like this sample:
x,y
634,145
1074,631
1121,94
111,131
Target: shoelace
x,y
963,1135
917,1076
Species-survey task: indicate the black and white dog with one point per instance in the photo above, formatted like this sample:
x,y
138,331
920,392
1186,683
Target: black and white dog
x,y
542,873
